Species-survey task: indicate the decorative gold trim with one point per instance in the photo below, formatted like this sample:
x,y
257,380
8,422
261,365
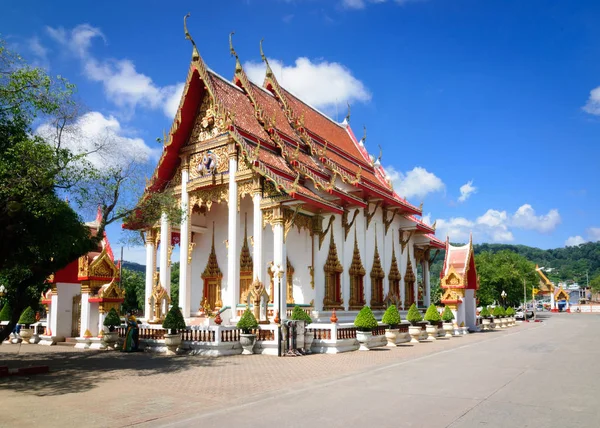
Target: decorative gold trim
x,y
377,275
323,234
357,273
348,225
369,216
387,223
333,269
403,241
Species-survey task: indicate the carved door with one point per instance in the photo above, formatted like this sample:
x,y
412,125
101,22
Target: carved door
x,y
76,316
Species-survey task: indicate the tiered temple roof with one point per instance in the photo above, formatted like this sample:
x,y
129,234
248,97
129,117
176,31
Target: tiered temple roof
x,y
304,153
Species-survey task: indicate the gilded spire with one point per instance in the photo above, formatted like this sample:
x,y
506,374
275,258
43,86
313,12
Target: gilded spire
x,y
377,270
212,269
332,264
195,53
394,274
409,276
246,264
356,268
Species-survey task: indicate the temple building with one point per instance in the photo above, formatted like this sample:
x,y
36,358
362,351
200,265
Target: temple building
x,y
460,282
283,206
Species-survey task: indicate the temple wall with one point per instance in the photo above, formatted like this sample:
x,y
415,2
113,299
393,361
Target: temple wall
x,y
299,255
62,312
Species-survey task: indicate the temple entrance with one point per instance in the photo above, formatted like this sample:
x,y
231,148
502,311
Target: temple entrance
x,y
76,315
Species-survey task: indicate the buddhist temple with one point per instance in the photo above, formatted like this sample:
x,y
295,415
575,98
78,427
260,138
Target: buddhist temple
x,y
279,200
459,282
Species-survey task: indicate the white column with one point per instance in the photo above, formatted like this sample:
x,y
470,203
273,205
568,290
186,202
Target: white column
x,y
258,267
318,272
101,317
279,261
52,313
165,241
85,313
426,280
233,282
185,291
150,268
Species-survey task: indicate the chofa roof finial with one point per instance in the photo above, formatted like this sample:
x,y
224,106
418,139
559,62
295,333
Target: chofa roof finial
x,y
195,53
347,118
264,58
238,65
363,140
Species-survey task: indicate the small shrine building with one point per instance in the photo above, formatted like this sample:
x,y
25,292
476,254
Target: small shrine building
x,y
283,206
459,282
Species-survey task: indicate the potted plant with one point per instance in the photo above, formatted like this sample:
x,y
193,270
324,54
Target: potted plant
x,y
173,322
365,322
247,323
414,316
27,318
510,313
448,317
391,317
6,312
486,318
298,314
433,317
498,313
111,321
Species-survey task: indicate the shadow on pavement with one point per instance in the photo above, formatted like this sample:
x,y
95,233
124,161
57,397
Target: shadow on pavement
x,y
73,372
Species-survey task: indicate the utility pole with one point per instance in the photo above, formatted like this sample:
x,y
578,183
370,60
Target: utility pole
x,y
524,301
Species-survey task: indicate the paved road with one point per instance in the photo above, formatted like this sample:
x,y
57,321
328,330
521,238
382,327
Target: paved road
x,y
525,378
518,377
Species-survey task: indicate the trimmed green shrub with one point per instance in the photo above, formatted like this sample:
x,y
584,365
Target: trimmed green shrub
x,y
485,313
447,316
365,320
510,311
247,322
112,320
432,315
413,315
299,315
498,312
391,317
6,312
174,320
27,317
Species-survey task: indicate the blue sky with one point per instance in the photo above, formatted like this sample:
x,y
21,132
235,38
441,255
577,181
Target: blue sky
x,y
495,93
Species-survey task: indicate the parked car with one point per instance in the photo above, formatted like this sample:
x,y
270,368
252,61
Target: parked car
x,y
520,315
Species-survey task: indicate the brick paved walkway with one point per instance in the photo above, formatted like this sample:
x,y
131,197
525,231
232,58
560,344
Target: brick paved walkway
x,y
104,389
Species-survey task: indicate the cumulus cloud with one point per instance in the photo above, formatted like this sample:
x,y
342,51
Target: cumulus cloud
x,y
498,226
321,84
593,234
361,4
574,241
102,137
593,103
417,182
525,218
466,190
123,84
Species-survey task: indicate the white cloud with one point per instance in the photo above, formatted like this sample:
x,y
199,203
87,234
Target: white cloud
x,y
360,4
104,135
497,226
427,219
593,234
123,84
466,190
574,241
593,103
417,182
525,218
40,51
321,84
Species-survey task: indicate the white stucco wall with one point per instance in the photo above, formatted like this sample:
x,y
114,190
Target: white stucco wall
x,y
63,312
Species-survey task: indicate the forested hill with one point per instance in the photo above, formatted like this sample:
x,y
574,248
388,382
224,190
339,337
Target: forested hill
x,y
568,263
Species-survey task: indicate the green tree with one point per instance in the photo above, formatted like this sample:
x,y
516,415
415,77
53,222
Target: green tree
x,y
133,283
595,283
175,283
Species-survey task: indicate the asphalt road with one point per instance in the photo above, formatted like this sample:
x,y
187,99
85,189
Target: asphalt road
x,y
539,377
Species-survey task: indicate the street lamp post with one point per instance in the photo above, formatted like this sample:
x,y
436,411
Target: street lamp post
x,y
503,295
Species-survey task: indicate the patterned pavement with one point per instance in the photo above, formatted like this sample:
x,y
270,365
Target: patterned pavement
x,y
107,388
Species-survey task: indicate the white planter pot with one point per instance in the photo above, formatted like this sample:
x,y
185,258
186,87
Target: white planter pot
x,y
497,323
486,323
432,331
26,334
309,337
172,341
448,329
110,338
363,338
415,332
247,341
464,330
391,335
503,322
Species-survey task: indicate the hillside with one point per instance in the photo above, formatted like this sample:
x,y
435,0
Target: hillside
x,y
568,263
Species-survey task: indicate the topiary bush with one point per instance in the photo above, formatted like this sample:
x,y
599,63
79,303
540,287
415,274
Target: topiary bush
x,y
498,312
485,313
365,320
27,317
391,317
447,316
247,322
112,320
174,320
299,315
432,315
413,315
510,311
6,312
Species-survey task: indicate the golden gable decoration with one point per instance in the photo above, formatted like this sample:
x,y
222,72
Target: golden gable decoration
x,y
452,279
377,276
212,277
246,263
333,284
